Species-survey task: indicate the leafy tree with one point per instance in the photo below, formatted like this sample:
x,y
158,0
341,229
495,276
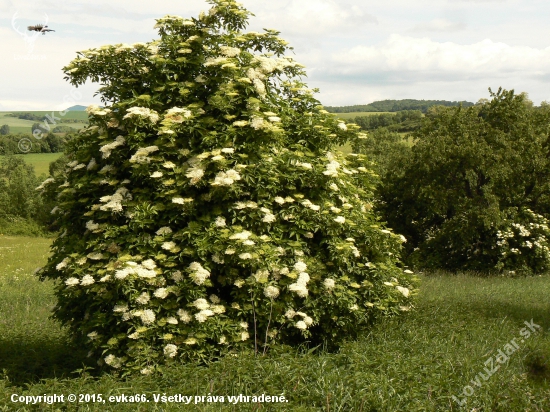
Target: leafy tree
x,y
205,208
472,173
18,197
5,129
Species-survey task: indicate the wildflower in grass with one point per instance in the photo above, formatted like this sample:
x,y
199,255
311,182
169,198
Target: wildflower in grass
x,y
170,350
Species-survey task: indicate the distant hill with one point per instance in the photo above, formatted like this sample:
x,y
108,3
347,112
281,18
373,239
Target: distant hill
x,y
395,106
76,108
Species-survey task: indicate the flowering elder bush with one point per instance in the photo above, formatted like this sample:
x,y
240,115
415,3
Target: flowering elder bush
x,y
524,243
205,209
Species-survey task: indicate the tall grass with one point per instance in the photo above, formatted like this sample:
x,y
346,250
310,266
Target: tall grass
x,y
413,363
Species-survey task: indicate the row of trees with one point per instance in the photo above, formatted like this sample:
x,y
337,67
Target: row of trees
x,y
396,106
402,121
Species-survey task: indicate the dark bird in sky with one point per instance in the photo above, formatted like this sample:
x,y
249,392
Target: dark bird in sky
x,y
39,28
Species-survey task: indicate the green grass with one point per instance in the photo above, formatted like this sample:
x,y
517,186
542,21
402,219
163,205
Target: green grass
x,y
40,161
414,363
24,126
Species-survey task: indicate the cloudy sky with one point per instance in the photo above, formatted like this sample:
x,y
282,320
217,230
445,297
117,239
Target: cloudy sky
x,y
355,51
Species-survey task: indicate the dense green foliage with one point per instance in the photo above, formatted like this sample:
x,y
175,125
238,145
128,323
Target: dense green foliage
x,y
206,208
27,116
22,209
472,176
50,143
4,130
396,106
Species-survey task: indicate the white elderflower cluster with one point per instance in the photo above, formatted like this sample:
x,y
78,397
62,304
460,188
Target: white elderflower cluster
x,y
165,230
230,51
226,178
404,291
305,322
170,246
113,361
161,293
195,173
181,200
256,122
307,203
143,270
332,168
142,113
245,234
147,316
72,282
329,283
300,286
108,148
62,264
143,299
170,350
87,280
244,205
114,202
220,221
271,292
45,182
91,226
142,155
92,164
184,316
198,273
178,115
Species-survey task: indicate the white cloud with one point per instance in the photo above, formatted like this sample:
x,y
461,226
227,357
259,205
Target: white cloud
x,y
439,25
409,54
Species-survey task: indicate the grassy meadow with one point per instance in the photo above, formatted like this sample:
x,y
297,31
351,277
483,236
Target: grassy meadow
x,y
353,115
414,363
24,126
